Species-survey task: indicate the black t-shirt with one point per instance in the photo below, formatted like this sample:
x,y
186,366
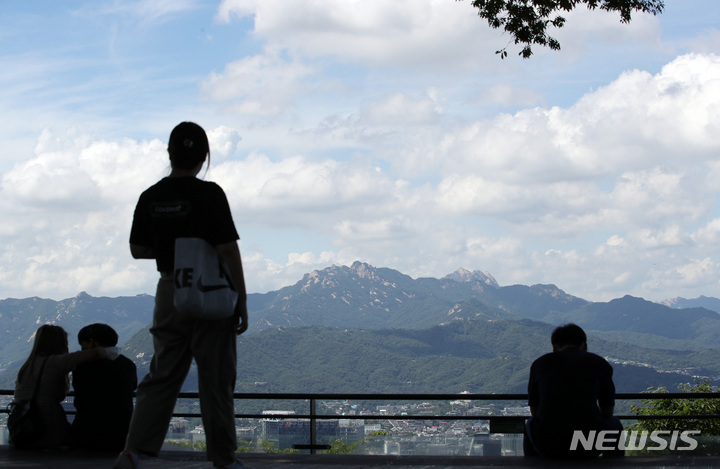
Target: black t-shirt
x,y
568,388
104,402
184,207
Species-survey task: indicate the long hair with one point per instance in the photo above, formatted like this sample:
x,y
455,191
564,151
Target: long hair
x,y
49,340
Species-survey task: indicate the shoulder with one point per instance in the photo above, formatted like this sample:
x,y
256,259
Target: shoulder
x,y
147,196
125,361
597,359
212,192
209,186
155,187
544,359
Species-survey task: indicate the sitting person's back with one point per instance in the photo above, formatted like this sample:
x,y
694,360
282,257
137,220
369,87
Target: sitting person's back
x,y
103,394
570,390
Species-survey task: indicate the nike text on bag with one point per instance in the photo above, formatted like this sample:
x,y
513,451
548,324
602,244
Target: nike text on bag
x,y
203,286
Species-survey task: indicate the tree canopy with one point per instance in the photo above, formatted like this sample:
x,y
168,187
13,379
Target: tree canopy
x,y
527,21
680,407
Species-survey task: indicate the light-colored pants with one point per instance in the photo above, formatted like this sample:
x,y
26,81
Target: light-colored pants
x,y
177,340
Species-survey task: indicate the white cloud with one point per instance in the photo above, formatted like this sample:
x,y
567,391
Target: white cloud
x,y
401,33
638,121
518,195
224,142
709,234
691,275
399,108
387,132
298,191
418,33
670,236
68,212
262,85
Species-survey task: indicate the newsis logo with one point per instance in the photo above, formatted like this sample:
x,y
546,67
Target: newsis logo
x,y
658,440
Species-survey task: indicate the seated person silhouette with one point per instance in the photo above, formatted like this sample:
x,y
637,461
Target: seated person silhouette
x,y
103,394
569,390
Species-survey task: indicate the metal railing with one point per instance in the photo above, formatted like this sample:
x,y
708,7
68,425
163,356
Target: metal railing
x,y
498,423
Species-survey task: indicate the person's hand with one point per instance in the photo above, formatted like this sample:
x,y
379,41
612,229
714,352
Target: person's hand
x,y
242,314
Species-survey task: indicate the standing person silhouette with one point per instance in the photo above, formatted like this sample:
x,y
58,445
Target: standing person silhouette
x,y
181,205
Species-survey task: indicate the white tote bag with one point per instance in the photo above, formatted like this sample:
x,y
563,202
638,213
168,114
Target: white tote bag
x,y
203,286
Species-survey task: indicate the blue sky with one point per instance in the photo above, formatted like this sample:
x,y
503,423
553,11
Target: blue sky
x,y
382,131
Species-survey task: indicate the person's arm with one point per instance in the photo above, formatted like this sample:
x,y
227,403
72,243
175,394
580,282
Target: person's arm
x,y
533,392
606,398
141,252
96,353
230,253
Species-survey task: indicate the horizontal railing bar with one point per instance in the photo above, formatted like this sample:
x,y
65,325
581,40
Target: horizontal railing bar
x,y
452,417
427,397
666,395
424,417
669,417
424,397
416,397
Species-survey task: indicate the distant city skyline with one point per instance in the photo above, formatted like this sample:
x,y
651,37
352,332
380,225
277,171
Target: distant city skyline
x,y
385,132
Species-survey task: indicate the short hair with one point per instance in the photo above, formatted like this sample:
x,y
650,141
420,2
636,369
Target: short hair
x,y
568,334
103,334
188,146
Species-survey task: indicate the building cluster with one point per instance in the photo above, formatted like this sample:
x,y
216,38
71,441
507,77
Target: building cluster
x,y
418,431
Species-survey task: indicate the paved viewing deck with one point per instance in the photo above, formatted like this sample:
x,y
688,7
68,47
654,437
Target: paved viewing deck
x,y
12,459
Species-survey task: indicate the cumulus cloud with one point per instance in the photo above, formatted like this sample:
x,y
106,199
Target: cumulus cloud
x,y
68,211
298,191
519,195
224,142
638,121
432,33
425,34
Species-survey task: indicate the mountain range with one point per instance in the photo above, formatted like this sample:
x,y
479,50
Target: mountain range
x,y
361,328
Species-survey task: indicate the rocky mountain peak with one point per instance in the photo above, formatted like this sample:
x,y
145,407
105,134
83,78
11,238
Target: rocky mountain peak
x,y
363,270
463,275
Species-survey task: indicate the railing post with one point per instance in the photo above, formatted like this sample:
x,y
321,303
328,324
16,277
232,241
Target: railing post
x,y
313,435
313,446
